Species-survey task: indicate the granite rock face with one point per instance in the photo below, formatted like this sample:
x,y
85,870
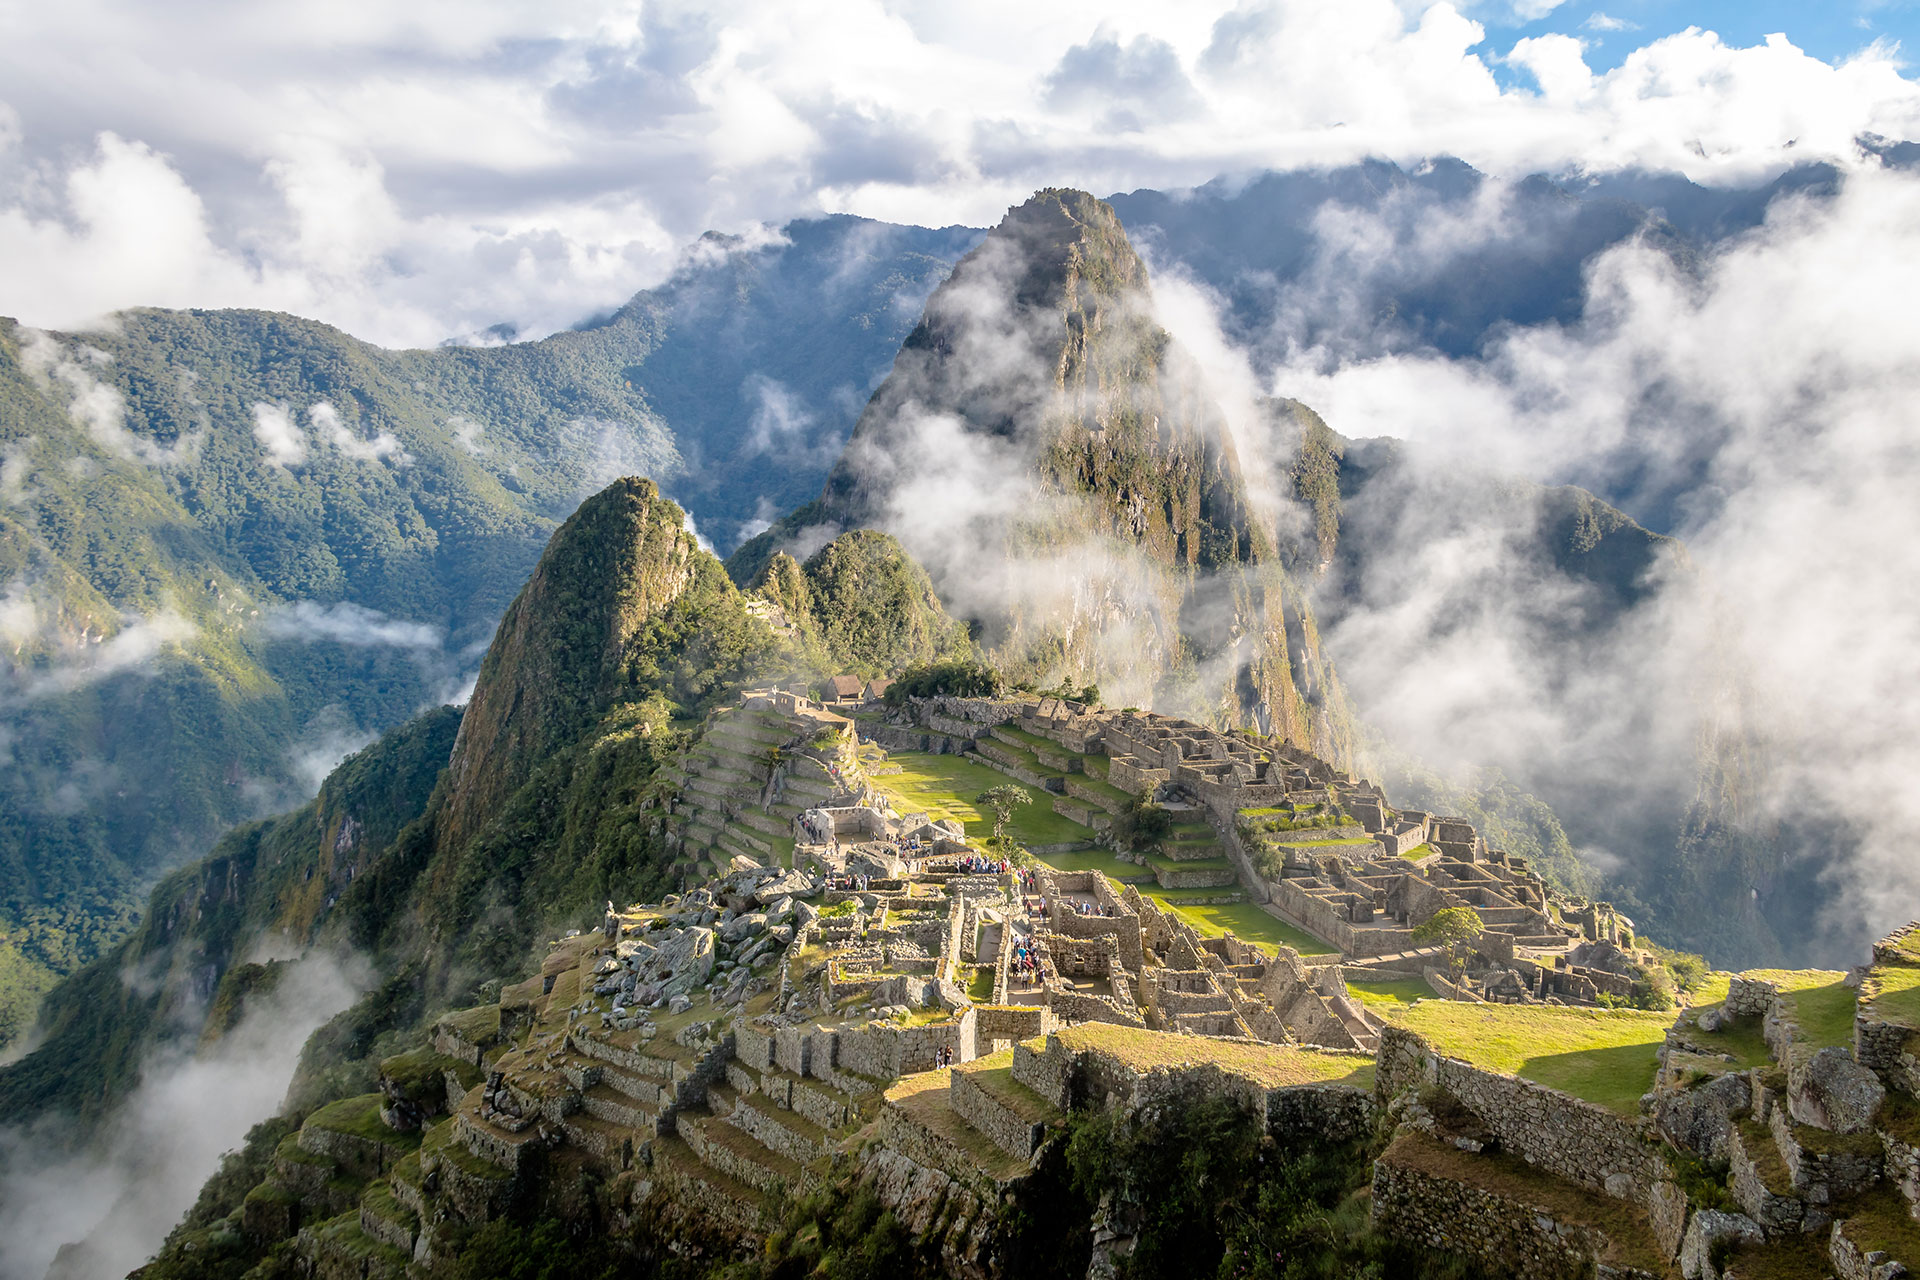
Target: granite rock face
x,y
1836,1093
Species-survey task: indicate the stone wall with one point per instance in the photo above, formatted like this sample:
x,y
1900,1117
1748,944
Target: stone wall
x,y
1507,1235
1548,1129
1318,1113
1047,1071
1001,1125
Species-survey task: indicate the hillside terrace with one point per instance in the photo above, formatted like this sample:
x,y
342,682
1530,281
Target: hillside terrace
x,y
890,991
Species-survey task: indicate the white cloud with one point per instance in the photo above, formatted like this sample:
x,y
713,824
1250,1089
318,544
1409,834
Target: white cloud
x,y
347,623
279,435
1783,376
1597,21
466,434
1558,64
53,651
325,419
92,405
412,181
120,1200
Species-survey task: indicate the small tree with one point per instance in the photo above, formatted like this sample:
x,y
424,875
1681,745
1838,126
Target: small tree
x,y
1143,823
1002,800
1456,929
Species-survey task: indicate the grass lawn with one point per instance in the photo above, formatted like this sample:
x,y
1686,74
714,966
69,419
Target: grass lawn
x,y
944,786
1894,994
1033,741
1270,1065
1602,1055
1384,997
1245,920
1095,860
1822,1003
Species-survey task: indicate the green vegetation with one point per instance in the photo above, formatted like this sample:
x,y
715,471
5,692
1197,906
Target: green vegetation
x,y
1213,1197
1388,995
862,605
1002,800
936,783
1825,1012
956,678
1270,1065
1143,823
1893,993
1604,1056
1455,928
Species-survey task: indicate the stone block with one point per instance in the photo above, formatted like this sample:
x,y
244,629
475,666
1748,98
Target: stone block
x,y
1708,1228
1834,1092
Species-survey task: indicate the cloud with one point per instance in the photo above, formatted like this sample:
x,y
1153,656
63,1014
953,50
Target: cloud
x,y
1558,65
344,622
430,177
279,435
119,1200
16,465
92,405
52,651
1597,21
325,419
466,434
1774,378
1131,86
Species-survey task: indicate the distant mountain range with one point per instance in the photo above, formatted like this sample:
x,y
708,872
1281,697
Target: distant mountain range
x,y
234,545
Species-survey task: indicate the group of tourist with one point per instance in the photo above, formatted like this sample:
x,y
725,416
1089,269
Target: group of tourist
x,y
942,1058
858,884
1025,965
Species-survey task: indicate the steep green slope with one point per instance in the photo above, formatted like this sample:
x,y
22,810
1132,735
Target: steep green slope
x,y
445,851
266,886
1054,458
862,605
235,544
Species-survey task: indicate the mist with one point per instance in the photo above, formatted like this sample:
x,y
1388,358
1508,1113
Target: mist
x,y
1760,399
119,1199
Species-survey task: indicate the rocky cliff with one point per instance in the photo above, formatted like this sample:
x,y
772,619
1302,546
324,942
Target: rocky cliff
x,y
562,650
1052,456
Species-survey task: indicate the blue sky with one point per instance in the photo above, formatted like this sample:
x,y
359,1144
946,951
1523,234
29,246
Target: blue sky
x,y
1829,31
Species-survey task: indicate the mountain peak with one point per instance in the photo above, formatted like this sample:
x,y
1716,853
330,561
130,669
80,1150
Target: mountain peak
x,y
557,657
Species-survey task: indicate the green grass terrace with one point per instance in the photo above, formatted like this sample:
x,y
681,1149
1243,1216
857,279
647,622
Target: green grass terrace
x,y
944,787
1272,1066
1605,1056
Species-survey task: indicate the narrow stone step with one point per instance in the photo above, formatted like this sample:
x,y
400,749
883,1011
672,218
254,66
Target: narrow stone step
x,y
606,1140
765,823
785,1133
706,1189
604,1102
735,1153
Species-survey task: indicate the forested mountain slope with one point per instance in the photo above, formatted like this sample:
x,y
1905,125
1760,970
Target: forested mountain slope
x,y
233,545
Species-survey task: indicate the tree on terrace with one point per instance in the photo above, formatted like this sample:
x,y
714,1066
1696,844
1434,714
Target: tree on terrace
x,y
1003,799
1456,929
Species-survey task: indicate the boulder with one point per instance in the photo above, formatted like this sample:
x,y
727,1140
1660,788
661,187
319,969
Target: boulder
x,y
1708,1228
679,1004
743,927
1835,1093
1697,1119
789,884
